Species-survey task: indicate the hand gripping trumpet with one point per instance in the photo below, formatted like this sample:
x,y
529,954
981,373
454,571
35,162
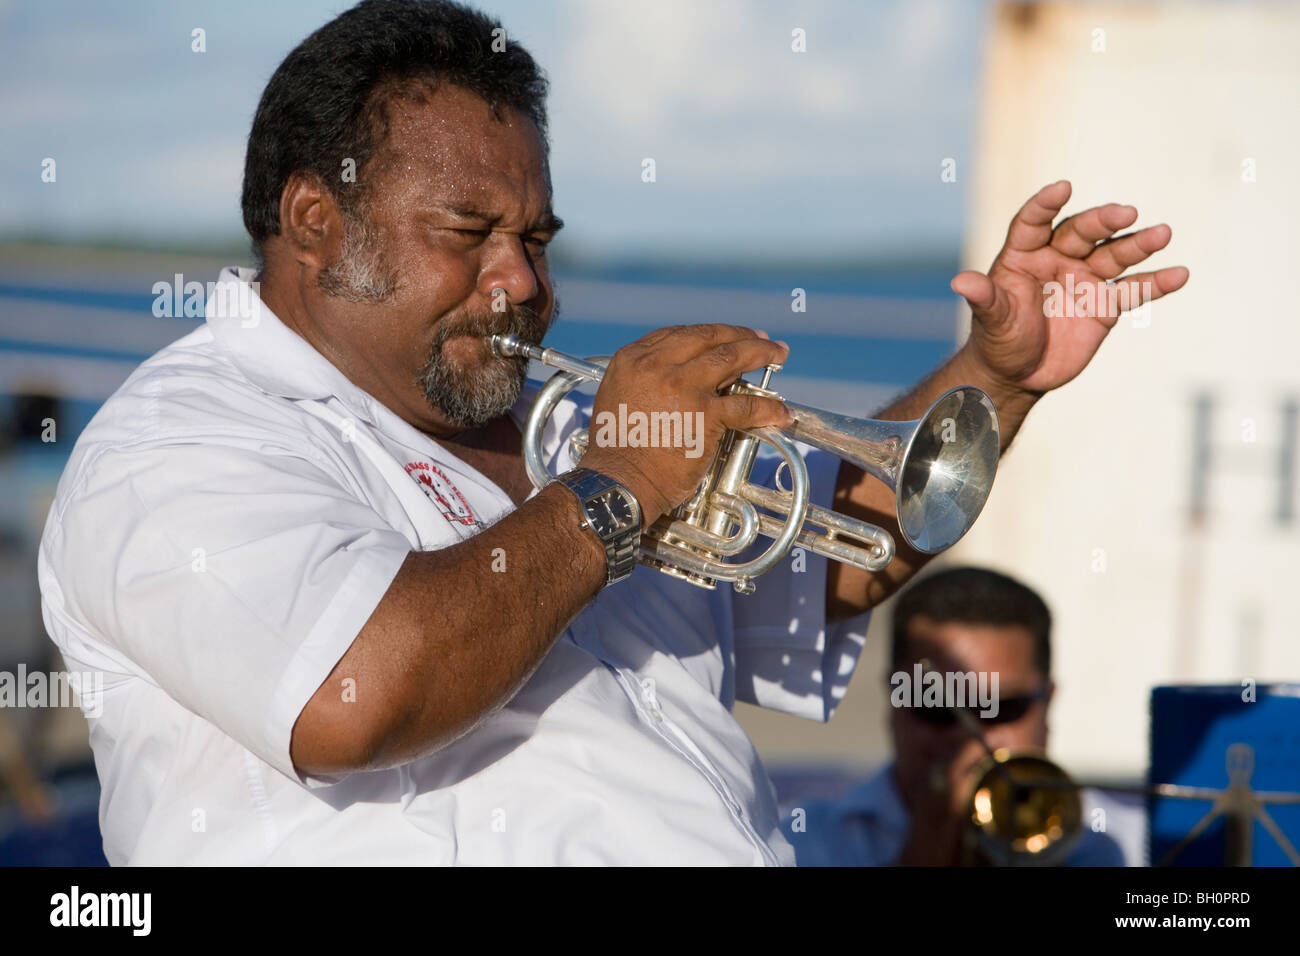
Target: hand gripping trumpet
x,y
940,468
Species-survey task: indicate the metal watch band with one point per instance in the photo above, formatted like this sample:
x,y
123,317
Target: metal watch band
x,y
621,559
621,547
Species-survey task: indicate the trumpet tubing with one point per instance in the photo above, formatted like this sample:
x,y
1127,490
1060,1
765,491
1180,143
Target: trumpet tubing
x,y
941,468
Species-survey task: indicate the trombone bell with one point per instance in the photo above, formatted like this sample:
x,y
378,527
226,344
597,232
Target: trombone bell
x,y
1023,810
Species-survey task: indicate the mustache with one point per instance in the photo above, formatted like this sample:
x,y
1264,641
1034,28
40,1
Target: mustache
x,y
522,320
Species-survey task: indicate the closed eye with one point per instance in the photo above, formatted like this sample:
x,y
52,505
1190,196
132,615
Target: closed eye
x,y
536,243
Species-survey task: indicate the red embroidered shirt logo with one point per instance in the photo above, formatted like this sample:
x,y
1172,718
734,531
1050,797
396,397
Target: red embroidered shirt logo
x,y
443,493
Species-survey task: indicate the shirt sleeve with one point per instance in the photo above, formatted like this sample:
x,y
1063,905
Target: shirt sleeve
x,y
234,578
788,656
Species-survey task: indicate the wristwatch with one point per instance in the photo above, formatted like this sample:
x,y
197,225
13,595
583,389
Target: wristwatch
x,y
612,513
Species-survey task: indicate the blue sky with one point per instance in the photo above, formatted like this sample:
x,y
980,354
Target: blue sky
x,y
760,152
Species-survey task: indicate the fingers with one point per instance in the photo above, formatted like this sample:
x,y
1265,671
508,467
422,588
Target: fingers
x,y
725,362
1114,256
989,306
1032,227
681,370
1077,236
681,343
752,411
1146,287
713,355
976,288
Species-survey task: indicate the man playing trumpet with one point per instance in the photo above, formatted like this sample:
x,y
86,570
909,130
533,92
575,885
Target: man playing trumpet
x,y
337,624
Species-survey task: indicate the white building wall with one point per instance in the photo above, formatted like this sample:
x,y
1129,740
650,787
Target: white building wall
x,y
1092,503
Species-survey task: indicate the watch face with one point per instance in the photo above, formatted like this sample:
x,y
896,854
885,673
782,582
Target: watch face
x,y
609,513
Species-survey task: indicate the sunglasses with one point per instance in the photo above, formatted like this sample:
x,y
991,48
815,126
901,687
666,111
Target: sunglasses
x,y
1010,709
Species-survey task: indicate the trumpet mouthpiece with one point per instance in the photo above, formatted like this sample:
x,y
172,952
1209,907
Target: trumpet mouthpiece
x,y
505,346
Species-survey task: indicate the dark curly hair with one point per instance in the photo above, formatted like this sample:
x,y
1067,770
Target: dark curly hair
x,y
327,101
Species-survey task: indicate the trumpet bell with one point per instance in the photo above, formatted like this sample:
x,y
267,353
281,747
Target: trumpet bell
x,y
941,467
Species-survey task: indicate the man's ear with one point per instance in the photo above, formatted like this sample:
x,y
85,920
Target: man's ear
x,y
310,221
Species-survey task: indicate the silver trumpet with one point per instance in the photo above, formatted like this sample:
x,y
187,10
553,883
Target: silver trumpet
x,y
940,468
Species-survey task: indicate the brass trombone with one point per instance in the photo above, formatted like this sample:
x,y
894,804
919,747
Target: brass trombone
x,y
940,467
1021,809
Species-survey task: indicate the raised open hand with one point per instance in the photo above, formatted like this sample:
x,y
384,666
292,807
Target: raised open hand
x,y
1052,294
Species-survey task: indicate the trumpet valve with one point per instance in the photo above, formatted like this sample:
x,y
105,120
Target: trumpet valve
x,y
579,442
740,386
696,501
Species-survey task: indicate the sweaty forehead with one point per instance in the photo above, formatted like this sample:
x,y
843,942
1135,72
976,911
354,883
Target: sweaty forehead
x,y
448,145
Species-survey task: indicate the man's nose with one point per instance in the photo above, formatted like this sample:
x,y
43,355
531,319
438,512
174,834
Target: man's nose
x,y
508,267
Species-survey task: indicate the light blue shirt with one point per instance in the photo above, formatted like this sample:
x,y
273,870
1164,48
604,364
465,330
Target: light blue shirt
x,y
869,825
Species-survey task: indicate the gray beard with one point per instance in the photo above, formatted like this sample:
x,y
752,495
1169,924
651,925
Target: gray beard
x,y
471,399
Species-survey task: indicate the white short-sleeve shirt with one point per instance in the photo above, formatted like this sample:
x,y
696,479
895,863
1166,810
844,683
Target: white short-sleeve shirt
x,y
223,530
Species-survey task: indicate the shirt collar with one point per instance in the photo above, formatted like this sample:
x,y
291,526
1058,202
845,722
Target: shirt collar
x,y
270,354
